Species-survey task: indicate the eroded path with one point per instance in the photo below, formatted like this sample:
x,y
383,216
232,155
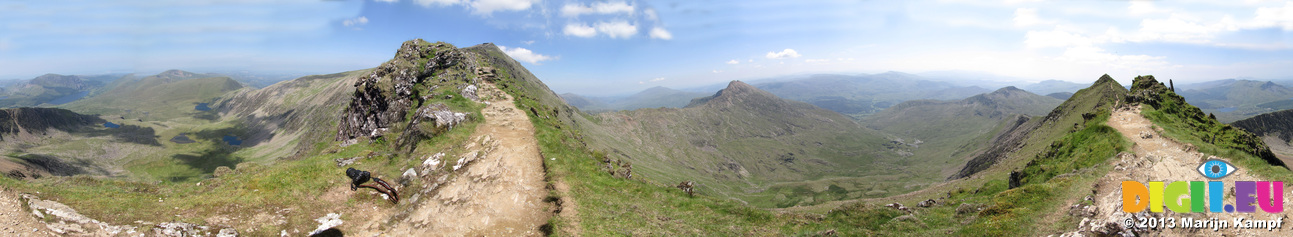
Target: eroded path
x,y
500,193
1157,158
16,220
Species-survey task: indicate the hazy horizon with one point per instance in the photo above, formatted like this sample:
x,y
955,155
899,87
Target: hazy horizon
x,y
621,47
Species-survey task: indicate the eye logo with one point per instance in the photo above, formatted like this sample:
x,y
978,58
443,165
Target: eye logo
x,y
1216,169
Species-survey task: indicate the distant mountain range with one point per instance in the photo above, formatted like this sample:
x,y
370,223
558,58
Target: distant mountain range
x,y
655,97
858,96
1232,99
853,95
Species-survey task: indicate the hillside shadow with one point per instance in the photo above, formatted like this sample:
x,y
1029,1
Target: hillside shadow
x,y
59,167
237,137
126,133
207,161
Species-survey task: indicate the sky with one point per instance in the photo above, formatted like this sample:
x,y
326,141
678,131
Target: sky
x,y
621,46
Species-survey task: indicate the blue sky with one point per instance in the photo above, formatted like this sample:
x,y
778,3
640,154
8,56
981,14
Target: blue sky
x,y
612,47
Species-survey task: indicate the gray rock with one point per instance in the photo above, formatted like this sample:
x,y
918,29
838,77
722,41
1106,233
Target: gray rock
x,y
470,92
227,232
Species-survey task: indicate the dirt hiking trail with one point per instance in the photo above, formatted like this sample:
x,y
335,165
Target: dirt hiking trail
x,y
16,220
500,193
1157,158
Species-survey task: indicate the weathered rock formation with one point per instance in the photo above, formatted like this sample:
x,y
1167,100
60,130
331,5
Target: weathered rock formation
x,y
387,94
421,71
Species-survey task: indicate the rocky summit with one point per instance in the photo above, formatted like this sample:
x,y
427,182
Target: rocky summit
x,y
393,89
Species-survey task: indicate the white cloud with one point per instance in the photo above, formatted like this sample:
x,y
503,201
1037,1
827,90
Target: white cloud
x,y
525,55
733,62
661,33
1274,17
5,45
617,29
387,1
750,60
428,3
580,30
784,54
717,71
355,22
614,29
482,7
485,7
653,80
574,10
1028,17
527,42
816,60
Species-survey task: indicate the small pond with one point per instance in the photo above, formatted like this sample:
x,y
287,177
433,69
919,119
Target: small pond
x,y
232,140
111,125
202,107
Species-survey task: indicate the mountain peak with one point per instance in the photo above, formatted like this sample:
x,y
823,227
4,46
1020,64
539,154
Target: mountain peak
x,y
657,89
739,87
175,73
1007,89
1104,78
736,92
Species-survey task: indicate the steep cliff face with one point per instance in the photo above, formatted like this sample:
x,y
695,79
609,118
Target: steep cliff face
x,y
38,120
1279,123
1276,129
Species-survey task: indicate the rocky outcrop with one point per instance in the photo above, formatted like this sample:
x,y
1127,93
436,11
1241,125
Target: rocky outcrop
x,y
385,96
